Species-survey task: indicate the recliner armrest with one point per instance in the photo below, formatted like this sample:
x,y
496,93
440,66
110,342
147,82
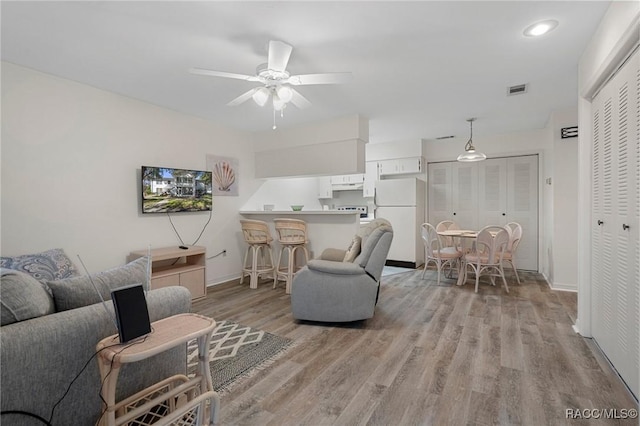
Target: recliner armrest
x,y
333,254
337,268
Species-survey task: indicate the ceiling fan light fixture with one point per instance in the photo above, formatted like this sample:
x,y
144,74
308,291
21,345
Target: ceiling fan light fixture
x,y
261,96
278,104
285,93
470,154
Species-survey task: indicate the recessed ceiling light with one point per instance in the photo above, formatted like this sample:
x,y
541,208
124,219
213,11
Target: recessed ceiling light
x,y
540,28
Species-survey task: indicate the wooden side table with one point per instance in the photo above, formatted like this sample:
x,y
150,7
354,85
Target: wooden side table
x,y
177,399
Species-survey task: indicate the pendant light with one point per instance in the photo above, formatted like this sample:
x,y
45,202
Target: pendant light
x,y
470,153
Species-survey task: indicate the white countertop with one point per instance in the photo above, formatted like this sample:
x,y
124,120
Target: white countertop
x,y
302,212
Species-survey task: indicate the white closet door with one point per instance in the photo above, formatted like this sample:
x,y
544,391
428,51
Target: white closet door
x,y
616,216
464,194
492,196
491,192
439,198
522,207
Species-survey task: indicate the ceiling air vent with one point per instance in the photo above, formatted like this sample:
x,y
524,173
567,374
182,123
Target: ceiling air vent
x,y
517,90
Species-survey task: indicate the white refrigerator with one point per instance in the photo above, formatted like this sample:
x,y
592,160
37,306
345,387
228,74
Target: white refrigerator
x,y
402,202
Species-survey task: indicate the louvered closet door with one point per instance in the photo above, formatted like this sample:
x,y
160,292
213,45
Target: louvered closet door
x,y
492,198
464,194
522,207
439,198
615,250
491,192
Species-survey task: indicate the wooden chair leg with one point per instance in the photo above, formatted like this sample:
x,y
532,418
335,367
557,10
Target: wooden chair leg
x,y
277,268
291,262
244,263
515,271
253,280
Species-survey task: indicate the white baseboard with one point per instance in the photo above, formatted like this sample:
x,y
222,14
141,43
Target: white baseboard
x,y
223,279
564,287
559,286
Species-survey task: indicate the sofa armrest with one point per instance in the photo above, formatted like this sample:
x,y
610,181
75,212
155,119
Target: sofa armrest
x,y
47,353
338,268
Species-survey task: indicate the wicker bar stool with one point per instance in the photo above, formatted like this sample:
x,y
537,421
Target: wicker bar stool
x,y
292,235
258,237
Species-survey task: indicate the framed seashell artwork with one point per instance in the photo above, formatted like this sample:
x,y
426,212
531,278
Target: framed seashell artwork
x,y
225,174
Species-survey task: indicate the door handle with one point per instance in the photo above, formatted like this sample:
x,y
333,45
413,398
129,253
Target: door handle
x,y
625,227
600,222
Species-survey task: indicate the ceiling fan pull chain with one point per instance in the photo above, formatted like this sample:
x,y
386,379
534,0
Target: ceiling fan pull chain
x,y
274,120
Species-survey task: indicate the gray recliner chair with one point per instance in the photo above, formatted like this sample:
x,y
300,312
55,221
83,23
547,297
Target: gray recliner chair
x,y
335,288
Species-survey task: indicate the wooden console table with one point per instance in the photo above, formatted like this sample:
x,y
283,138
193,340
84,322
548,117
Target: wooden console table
x,y
176,266
175,400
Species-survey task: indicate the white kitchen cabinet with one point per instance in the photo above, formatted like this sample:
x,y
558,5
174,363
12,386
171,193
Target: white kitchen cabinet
x,y
400,166
325,189
347,179
370,178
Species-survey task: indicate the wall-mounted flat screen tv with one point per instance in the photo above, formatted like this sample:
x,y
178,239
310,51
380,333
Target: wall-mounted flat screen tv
x,y
169,190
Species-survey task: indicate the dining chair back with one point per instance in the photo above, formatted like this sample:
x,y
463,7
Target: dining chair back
x,y
514,241
447,225
490,246
258,257
436,252
292,236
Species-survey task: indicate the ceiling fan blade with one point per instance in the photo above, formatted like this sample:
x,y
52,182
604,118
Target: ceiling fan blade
x,y
279,54
326,78
299,100
213,73
243,98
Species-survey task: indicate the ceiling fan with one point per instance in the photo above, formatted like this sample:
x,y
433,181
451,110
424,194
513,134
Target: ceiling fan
x,y
276,81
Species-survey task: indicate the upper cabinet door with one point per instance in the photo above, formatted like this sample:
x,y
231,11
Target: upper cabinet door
x,y
370,178
324,187
401,166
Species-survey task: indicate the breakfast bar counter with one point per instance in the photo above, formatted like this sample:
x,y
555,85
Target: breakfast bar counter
x,y
325,228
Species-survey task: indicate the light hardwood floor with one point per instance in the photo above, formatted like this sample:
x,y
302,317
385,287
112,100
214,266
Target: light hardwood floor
x,y
431,355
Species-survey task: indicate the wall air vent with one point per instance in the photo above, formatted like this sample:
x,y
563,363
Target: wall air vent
x,y
439,138
517,90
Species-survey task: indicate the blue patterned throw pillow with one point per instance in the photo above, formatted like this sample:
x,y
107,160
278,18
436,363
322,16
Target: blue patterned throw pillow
x,y
46,266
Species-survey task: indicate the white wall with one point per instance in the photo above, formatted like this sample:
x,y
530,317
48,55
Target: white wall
x,y
285,192
332,147
564,185
71,156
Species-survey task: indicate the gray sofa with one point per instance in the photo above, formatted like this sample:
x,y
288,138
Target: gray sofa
x,y
343,285
44,348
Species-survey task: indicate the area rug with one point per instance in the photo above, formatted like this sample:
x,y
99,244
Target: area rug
x,y
237,351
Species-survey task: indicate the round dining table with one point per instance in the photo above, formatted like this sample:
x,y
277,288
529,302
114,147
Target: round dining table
x,y
461,233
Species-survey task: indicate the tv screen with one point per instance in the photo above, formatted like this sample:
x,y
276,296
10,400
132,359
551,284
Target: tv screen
x,y
168,190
